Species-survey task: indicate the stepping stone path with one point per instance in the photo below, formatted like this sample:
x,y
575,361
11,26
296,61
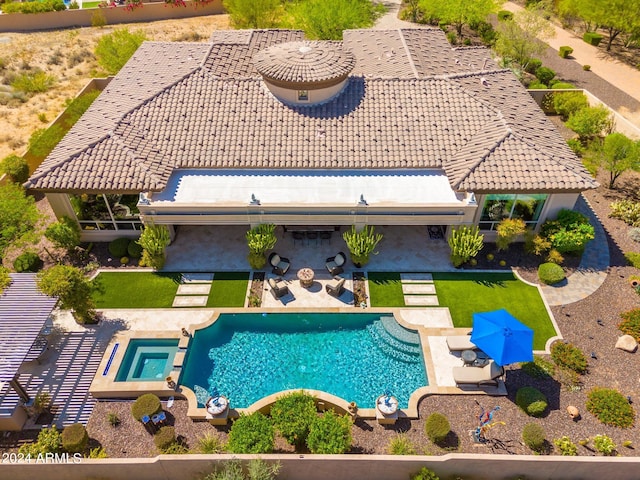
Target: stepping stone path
x,y
193,290
418,290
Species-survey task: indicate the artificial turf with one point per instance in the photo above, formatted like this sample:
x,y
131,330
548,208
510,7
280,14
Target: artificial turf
x,y
467,293
135,289
229,289
385,289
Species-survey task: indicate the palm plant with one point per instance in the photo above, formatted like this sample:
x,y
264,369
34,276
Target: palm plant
x,y
259,240
361,244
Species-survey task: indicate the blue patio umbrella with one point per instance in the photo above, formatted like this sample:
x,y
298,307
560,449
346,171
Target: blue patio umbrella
x,y
502,337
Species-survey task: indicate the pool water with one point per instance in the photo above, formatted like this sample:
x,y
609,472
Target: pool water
x,y
355,356
147,359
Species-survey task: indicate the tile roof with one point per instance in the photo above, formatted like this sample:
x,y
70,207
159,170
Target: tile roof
x,y
411,102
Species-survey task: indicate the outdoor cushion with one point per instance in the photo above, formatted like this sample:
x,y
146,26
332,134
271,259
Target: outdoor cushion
x,y
457,343
478,375
339,260
275,260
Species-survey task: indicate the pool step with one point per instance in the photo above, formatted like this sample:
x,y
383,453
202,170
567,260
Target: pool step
x,y
392,347
398,332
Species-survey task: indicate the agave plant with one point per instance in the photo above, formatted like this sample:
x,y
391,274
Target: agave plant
x,y
361,243
259,240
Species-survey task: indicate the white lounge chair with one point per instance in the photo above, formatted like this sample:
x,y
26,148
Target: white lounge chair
x,y
487,375
457,343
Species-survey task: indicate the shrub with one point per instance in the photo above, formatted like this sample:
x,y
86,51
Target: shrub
x,y
401,445
114,49
536,85
437,427
539,368
504,15
75,438
165,437
487,33
550,273
147,404
452,37
532,401
562,86
569,233
507,230
16,168
251,434
545,75
330,434
210,443
610,407
49,441
586,68
569,356
565,51
633,258
465,243
43,141
533,65
634,234
533,436
65,233
567,103
293,415
153,240
425,474
590,122
98,452
119,247
113,419
627,211
592,38
604,444
34,7
134,249
536,244
576,146
566,446
27,262
630,324
36,82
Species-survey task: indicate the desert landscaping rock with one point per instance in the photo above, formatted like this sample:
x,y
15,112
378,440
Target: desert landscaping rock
x,y
627,343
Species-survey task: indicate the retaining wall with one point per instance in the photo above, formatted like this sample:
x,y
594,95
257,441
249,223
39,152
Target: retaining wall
x,y
27,22
338,467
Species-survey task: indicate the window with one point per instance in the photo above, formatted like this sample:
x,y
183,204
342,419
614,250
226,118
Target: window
x,y
106,212
303,95
497,207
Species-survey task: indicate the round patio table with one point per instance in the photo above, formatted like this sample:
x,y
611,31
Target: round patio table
x,y
305,275
469,357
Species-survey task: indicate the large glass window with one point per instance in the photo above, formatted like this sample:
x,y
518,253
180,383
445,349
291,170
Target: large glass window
x,y
497,207
106,212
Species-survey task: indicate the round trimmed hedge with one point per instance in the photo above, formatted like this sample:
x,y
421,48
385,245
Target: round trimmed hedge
x,y
119,247
75,438
532,401
165,437
134,249
533,437
437,427
27,262
610,407
147,404
550,273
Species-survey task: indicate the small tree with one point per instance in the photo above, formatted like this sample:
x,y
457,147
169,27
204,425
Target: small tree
x,y
18,216
16,168
519,39
330,434
251,434
253,13
259,240
465,243
507,230
64,233
362,243
72,289
154,240
292,415
115,49
591,122
616,155
459,12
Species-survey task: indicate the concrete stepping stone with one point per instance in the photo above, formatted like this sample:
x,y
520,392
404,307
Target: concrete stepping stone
x,y
420,300
416,278
194,289
190,301
428,288
437,317
197,277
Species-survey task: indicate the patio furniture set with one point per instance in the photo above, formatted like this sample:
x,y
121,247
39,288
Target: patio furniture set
x,y
312,234
306,275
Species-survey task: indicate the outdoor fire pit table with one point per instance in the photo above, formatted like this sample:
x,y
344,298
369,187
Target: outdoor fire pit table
x,y
305,275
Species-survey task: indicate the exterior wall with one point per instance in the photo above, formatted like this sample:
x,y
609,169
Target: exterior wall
x,y
22,22
315,96
337,467
14,422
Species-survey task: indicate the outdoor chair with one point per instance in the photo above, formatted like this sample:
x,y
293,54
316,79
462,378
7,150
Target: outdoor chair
x,y
458,343
334,264
487,375
325,236
297,236
278,287
312,236
336,288
280,264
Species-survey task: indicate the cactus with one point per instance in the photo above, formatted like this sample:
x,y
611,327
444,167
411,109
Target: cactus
x,y
361,244
259,240
154,239
465,243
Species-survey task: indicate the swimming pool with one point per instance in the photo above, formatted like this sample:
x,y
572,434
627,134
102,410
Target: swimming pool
x,y
147,359
355,356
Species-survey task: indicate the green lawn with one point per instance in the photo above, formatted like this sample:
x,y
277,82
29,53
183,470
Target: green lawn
x,y
385,289
135,289
467,293
229,289
90,4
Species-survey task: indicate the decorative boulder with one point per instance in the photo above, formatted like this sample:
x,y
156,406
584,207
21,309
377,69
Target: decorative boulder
x,y
573,412
627,343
